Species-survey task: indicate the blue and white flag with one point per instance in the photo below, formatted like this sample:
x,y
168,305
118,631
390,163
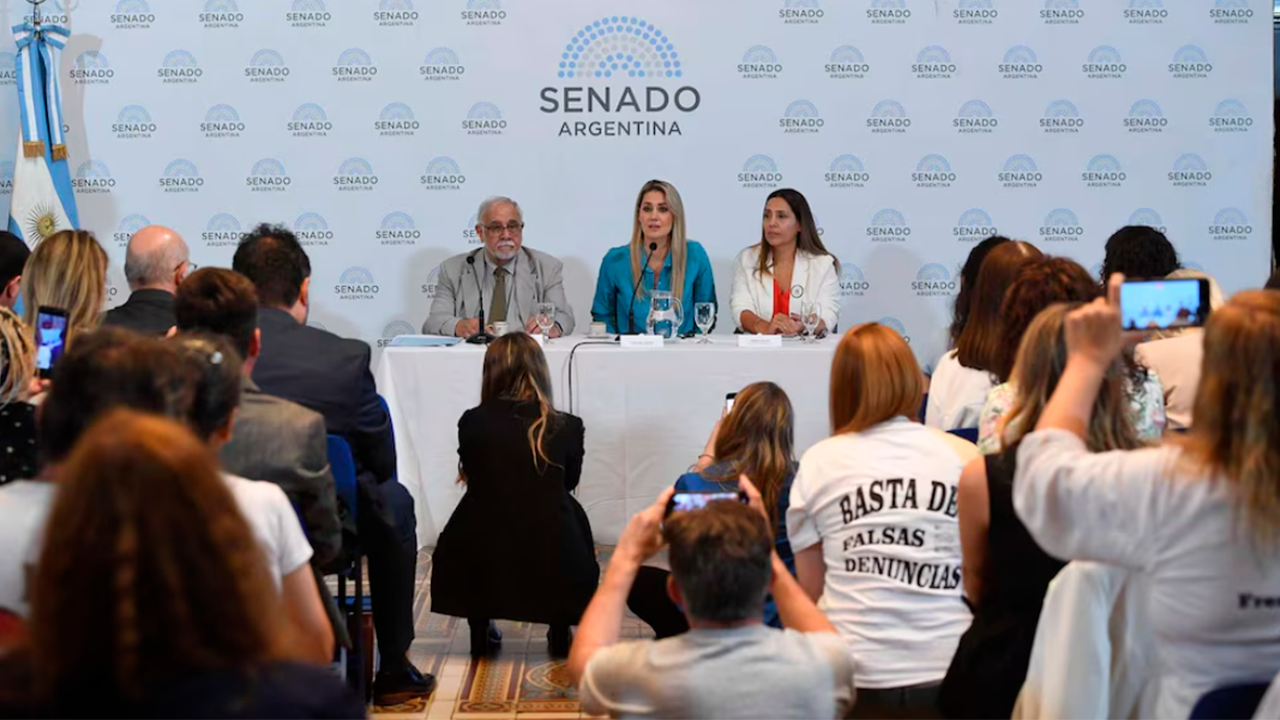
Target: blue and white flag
x,y
43,202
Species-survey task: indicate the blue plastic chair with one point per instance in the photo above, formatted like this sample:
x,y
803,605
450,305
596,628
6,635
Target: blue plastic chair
x,y
1230,703
343,466
970,434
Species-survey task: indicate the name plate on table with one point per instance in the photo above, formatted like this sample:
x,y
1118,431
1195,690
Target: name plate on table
x,y
642,342
538,338
760,341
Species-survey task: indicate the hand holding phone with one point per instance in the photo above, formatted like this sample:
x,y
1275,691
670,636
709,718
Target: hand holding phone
x,y
690,501
1164,304
51,338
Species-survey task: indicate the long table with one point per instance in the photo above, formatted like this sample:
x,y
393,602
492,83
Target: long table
x,y
647,414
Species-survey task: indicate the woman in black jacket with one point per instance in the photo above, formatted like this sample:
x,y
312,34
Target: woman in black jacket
x,y
519,546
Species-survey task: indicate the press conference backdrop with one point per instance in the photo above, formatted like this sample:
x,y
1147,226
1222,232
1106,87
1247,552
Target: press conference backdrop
x,y
374,128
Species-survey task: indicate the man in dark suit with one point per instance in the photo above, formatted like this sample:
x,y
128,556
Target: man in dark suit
x,y
154,264
331,376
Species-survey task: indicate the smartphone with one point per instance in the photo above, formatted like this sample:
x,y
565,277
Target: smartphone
x,y
1164,304
51,332
687,501
728,401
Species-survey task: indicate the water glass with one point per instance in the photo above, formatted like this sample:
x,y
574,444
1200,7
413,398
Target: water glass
x,y
810,317
704,316
546,319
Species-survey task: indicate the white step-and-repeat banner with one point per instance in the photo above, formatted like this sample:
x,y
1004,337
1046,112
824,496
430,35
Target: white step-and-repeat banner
x,y
374,128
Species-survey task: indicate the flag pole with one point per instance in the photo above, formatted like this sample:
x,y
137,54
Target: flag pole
x,y
35,15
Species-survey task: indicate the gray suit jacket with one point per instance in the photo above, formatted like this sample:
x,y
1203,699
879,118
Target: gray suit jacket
x,y
537,279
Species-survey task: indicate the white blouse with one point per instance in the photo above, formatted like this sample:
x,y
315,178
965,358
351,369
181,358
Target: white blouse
x,y
814,277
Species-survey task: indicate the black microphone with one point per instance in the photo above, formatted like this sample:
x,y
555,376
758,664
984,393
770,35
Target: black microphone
x,y
480,337
631,318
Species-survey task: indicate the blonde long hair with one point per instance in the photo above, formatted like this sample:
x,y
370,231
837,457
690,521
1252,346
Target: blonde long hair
x,y
17,357
757,439
516,369
677,246
67,270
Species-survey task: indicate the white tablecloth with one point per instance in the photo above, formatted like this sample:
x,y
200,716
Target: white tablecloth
x,y
647,414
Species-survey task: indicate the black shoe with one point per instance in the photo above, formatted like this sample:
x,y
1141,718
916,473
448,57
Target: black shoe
x,y
559,640
495,635
396,686
486,639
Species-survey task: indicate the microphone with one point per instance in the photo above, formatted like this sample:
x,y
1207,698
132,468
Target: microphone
x,y
631,318
480,337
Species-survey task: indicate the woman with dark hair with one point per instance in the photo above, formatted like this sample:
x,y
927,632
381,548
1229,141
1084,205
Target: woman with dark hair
x,y
787,268
1140,253
519,546
969,279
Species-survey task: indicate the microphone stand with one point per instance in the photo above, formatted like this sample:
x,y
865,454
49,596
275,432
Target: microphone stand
x,y
480,336
631,318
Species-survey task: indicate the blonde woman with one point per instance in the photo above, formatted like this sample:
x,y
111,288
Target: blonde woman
x,y
1199,518
1176,354
68,271
18,457
1005,573
675,263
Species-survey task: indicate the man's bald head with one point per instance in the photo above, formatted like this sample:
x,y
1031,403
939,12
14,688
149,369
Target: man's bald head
x,y
155,256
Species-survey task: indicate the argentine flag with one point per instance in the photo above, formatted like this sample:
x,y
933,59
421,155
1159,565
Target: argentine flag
x,y
43,202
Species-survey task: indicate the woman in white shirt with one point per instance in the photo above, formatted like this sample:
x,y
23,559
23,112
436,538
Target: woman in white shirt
x,y
789,267
872,523
1200,517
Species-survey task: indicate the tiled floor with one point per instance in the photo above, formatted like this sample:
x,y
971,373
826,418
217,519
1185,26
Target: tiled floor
x,y
522,681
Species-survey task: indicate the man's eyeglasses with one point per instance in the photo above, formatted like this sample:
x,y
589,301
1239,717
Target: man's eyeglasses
x,y
191,267
515,228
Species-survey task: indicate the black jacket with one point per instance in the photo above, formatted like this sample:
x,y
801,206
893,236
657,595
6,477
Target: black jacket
x,y
149,312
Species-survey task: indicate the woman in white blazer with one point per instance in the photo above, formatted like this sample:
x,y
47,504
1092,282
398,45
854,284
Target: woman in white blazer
x,y
789,266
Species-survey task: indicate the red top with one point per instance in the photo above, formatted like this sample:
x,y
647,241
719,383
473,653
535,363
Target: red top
x,y
781,300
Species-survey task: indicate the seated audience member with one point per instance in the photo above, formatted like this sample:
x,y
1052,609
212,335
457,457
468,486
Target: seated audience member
x,y
216,373
151,598
331,376
1139,252
755,439
19,457
968,280
1039,284
873,526
729,664
155,263
964,376
13,257
1005,573
68,271
272,439
518,546
513,279
1176,354
1199,518
787,268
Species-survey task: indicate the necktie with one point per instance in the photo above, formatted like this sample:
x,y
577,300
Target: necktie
x,y
498,306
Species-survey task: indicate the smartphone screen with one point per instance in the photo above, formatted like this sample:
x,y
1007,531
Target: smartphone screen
x,y
728,401
51,332
687,501
1164,304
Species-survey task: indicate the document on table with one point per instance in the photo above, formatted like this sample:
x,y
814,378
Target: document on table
x,y
424,341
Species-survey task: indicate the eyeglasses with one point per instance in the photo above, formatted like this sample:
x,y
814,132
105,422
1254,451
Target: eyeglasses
x,y
191,267
512,227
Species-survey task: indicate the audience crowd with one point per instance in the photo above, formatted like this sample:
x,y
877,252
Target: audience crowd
x,y
168,512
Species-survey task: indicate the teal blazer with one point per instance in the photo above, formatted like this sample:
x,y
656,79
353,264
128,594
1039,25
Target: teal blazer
x,y
613,288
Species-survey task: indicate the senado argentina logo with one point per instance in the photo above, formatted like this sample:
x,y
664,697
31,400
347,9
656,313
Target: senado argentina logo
x,y
975,117
1061,225
469,234
8,69
933,280
266,66
974,225
222,230
133,122
895,325
179,67
760,171
759,63
442,173
127,227
1146,12
354,65
1230,224
308,14
1104,63
1061,117
1148,217
1231,116
975,12
268,175
1103,171
181,176
356,284
801,117
484,12
847,171
1231,12
221,14
801,12
395,13
888,226
132,15
1020,63
308,121
933,171
484,118
398,229
396,120
933,63
92,68
393,330
1145,116
1190,170
888,116
312,230
1020,171
222,121
853,282
847,63
1190,62
355,174
433,279
888,12
441,65
6,177
1061,12
93,178
625,59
